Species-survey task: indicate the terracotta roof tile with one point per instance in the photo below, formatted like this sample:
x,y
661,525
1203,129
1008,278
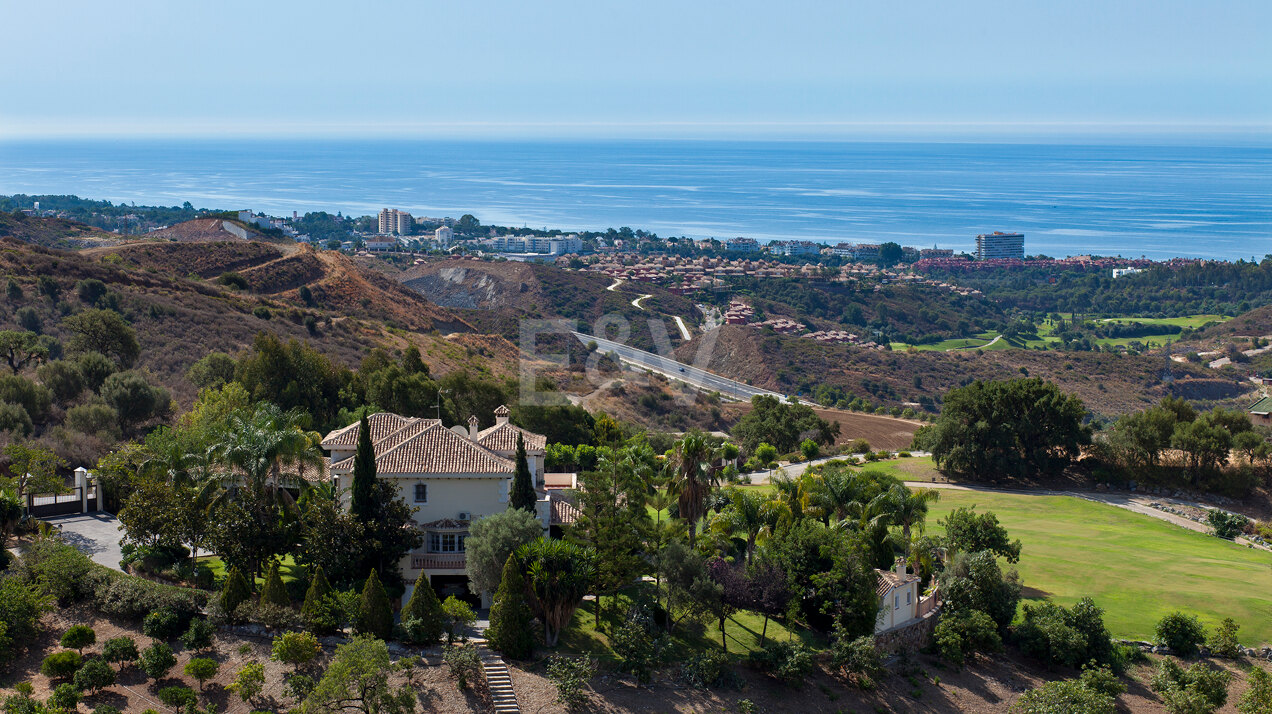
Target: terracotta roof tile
x,y
435,450
888,580
564,512
382,424
503,437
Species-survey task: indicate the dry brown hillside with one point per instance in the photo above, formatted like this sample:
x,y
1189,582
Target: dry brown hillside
x,y
179,319
1109,384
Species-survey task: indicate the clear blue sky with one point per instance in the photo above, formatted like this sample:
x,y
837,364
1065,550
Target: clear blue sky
x,y
770,67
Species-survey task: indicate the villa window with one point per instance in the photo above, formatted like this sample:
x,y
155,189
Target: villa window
x,y
447,542
907,597
421,493
896,602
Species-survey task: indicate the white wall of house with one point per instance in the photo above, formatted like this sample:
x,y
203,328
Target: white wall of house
x,y
898,606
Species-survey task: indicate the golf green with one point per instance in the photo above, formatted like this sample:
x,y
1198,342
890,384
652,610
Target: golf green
x,y
1136,567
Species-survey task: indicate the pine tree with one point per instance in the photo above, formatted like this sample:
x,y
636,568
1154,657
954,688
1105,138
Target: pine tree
x,y
362,504
235,591
422,615
375,617
510,616
274,592
523,495
319,588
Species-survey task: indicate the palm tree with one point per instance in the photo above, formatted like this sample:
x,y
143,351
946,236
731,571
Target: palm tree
x,y
836,491
909,508
696,473
748,514
258,445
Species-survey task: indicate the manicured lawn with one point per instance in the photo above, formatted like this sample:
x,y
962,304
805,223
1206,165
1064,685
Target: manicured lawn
x,y
1136,567
287,570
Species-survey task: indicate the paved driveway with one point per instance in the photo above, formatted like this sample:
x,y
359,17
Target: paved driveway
x,y
96,534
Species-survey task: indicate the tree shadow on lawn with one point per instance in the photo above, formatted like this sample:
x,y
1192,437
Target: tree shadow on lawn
x,y
1031,593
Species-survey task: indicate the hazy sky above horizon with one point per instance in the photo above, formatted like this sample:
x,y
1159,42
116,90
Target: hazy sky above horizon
x,y
658,67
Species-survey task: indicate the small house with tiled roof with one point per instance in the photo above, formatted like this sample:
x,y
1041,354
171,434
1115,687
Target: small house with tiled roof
x,y
451,476
898,597
1261,412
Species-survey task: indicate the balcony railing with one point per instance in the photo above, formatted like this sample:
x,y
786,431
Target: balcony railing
x,y
438,561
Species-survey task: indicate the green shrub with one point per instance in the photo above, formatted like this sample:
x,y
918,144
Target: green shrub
x,y
249,681
120,650
571,676
178,697
1065,696
1181,633
107,709
199,635
1067,636
1198,689
962,634
202,669
78,637
464,663
422,616
456,615
295,648
1223,640
128,597
156,660
638,643
235,592
1102,679
61,665
709,669
274,592
21,607
61,570
163,624
1258,698
65,696
318,590
1226,525
375,617
789,661
94,675
857,658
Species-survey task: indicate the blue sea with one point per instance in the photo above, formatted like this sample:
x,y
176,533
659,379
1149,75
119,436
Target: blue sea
x,y
1154,201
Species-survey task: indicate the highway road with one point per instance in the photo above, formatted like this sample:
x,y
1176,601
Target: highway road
x,y
677,370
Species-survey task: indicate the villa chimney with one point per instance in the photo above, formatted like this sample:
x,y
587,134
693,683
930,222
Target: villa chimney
x,y
901,568
472,427
501,414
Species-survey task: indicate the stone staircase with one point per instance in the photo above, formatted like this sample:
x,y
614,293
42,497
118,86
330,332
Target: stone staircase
x,y
498,681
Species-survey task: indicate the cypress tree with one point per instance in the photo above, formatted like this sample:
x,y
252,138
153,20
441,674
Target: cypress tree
x,y
510,616
375,617
235,591
522,494
425,609
362,504
274,592
319,588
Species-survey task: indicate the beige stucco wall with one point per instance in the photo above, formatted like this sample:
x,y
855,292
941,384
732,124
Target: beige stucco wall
x,y
894,610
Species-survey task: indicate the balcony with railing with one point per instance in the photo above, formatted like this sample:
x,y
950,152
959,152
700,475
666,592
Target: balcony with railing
x,y
438,561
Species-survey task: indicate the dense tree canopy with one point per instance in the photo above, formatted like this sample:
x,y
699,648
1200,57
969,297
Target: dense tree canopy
x,y
1020,428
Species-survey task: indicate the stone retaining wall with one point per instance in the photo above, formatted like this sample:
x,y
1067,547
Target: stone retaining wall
x,y
910,637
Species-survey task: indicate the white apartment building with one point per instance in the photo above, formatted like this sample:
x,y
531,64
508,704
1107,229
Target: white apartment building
x,y
444,236
395,222
999,245
554,245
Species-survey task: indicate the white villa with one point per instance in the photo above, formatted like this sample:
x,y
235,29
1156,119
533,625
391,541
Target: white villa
x,y
453,476
898,598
